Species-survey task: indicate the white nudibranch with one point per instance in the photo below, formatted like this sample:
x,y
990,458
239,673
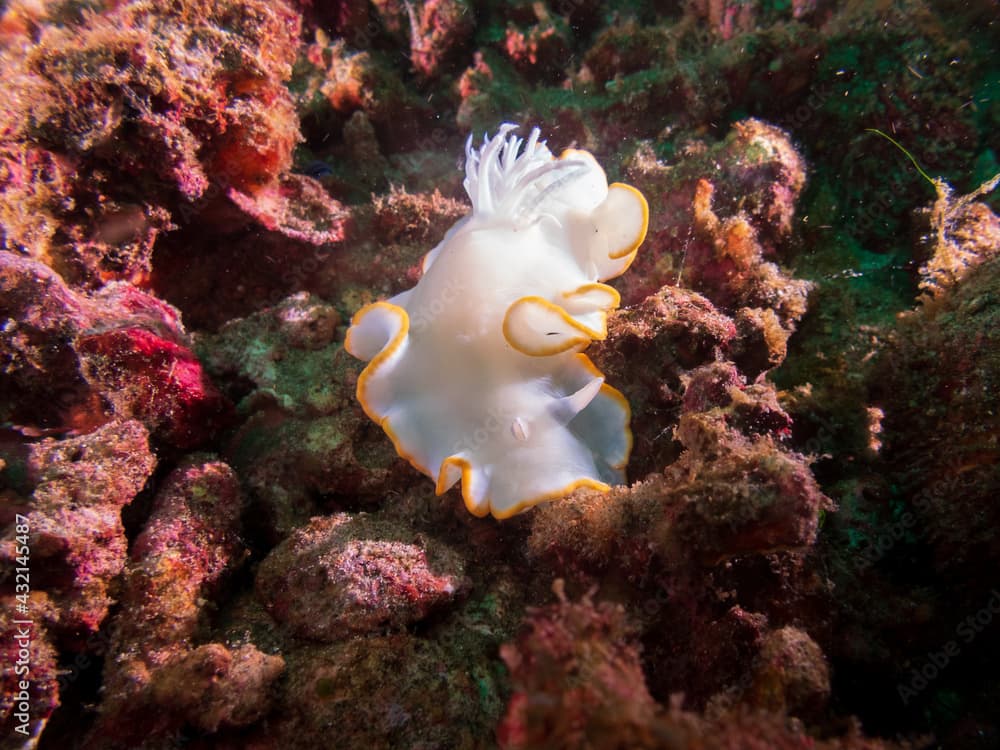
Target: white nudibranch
x,y
489,384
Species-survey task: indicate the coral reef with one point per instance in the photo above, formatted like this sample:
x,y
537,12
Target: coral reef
x,y
73,360
176,107
188,547
577,681
354,574
964,233
71,493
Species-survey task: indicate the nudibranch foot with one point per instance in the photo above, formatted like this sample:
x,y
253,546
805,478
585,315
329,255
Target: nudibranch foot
x,y
477,373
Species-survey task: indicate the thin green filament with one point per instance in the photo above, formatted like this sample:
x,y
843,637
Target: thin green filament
x,y
909,156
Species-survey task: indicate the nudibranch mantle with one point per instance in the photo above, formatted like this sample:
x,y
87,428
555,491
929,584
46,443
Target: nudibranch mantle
x,y
477,373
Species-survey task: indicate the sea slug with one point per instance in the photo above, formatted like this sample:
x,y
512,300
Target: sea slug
x,y
477,372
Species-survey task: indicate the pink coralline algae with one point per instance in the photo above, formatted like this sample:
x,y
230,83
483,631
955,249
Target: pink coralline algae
x,y
578,682
67,498
346,574
179,105
155,380
72,495
297,207
120,353
64,500
188,549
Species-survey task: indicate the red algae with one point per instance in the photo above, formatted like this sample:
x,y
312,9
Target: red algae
x,y
356,574
73,496
202,103
577,681
188,548
154,380
118,354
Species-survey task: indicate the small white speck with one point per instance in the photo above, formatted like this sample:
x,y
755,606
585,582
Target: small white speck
x,y
519,429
